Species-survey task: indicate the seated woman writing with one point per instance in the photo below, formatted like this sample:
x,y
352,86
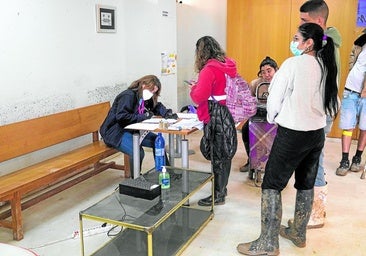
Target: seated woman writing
x,y
136,104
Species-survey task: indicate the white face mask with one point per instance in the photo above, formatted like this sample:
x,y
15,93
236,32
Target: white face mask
x,y
146,94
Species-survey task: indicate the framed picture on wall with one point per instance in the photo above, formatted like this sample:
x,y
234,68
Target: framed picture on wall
x,y
106,19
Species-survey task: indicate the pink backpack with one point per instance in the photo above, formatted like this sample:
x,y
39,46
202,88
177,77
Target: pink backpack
x,y
239,100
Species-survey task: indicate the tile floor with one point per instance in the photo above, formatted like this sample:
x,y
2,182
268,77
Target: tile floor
x,y
51,224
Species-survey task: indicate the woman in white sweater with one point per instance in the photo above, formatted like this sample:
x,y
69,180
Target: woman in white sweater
x,y
302,92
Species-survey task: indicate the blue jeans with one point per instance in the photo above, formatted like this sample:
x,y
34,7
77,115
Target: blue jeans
x,y
293,151
126,146
320,176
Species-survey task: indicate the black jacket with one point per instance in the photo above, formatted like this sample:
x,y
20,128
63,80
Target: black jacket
x,y
220,132
124,111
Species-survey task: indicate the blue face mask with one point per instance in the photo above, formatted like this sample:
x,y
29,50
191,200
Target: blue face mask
x,y
295,51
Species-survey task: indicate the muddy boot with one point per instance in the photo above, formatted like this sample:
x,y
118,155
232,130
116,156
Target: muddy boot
x,y
271,214
296,232
317,217
318,213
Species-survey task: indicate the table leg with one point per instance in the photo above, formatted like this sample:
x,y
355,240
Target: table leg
x,y
81,234
178,146
171,149
149,244
185,165
185,160
136,155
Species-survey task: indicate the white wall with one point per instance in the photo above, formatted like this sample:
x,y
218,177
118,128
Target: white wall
x,y
196,18
147,35
52,59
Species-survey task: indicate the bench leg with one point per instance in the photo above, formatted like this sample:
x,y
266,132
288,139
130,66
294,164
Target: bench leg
x,y
16,217
99,166
126,162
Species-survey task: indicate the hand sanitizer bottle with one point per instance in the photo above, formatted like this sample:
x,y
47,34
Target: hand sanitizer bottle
x,y
164,179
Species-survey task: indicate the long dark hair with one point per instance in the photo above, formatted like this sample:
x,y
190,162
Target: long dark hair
x,y
324,48
207,48
361,40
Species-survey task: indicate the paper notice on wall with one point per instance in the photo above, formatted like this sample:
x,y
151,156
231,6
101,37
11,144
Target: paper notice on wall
x,y
168,63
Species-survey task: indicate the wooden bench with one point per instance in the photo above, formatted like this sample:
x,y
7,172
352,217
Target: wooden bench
x,y
28,136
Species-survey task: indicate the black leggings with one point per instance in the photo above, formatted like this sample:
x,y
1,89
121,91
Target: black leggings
x,y
293,151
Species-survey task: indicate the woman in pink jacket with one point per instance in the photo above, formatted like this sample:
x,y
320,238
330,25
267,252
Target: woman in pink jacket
x,y
219,127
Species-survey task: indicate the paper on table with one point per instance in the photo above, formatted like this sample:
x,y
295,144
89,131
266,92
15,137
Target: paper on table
x,y
143,126
187,115
153,120
187,124
156,120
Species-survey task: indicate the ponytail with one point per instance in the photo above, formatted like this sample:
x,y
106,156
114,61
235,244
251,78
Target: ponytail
x,y
325,51
327,55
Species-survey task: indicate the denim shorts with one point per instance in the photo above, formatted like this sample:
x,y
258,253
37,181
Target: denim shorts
x,y
353,111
